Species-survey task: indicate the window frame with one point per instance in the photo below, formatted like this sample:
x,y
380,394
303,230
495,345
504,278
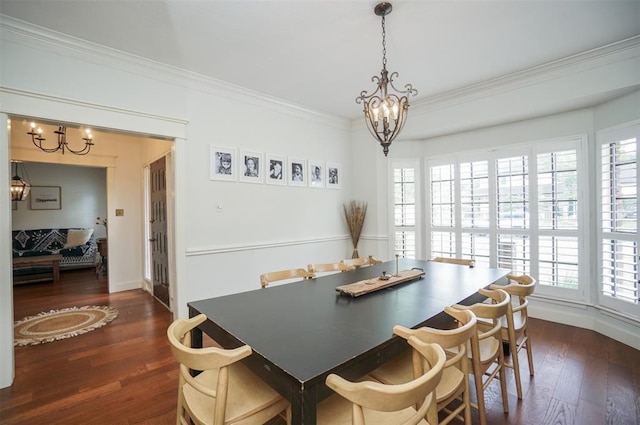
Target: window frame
x,y
610,135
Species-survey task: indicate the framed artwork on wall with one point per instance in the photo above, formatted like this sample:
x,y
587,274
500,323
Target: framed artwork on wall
x,y
297,172
251,167
223,164
334,175
277,169
45,198
316,174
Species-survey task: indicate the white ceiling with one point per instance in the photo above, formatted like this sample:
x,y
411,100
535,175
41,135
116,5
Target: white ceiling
x,y
321,54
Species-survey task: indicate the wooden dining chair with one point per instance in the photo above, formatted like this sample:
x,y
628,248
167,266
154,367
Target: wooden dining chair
x,y
459,261
266,278
487,356
361,262
454,384
372,403
516,331
329,267
225,391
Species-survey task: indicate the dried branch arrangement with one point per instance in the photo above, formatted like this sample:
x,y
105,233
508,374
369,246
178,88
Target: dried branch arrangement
x,y
355,213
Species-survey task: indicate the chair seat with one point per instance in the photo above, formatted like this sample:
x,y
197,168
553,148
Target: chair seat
x,y
399,370
518,325
247,395
488,349
518,322
337,410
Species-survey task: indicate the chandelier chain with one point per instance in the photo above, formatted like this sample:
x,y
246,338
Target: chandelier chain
x,y
384,45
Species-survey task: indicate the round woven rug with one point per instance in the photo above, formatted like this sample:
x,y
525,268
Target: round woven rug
x,y
53,325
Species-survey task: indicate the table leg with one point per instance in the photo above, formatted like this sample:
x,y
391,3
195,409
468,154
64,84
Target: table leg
x,y
56,271
303,407
196,338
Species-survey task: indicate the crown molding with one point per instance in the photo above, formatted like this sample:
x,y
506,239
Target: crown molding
x,y
27,34
611,53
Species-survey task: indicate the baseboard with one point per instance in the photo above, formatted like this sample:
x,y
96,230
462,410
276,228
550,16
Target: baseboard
x,y
587,317
125,286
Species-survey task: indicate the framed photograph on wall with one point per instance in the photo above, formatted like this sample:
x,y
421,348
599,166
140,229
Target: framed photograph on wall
x,y
46,198
334,175
251,167
223,164
316,174
297,172
276,169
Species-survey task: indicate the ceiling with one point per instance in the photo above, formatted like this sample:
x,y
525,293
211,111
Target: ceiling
x,y
321,54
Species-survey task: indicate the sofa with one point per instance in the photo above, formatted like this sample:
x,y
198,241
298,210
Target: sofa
x,y
78,247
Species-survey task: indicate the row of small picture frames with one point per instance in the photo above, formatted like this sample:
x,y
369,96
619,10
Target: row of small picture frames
x,y
255,167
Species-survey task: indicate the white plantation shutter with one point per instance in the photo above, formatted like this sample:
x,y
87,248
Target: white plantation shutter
x,y
442,195
405,196
516,208
557,203
475,215
618,220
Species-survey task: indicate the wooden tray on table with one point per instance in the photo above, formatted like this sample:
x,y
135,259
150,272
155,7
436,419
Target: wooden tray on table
x,y
366,286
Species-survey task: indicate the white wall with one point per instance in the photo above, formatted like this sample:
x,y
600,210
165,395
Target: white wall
x,y
276,218
83,195
7,371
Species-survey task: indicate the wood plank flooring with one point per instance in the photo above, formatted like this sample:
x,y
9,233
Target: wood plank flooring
x,y
123,373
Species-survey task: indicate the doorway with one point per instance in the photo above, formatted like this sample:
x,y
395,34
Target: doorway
x,y
104,117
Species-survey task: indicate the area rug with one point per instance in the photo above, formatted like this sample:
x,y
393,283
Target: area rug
x,y
65,323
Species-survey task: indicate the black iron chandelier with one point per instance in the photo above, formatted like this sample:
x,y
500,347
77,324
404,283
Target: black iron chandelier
x,y
385,113
19,188
37,139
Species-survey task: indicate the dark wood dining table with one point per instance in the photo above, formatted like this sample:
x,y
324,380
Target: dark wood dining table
x,y
303,331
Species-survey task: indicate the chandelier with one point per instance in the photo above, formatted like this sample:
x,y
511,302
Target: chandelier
x,y
385,113
19,188
63,145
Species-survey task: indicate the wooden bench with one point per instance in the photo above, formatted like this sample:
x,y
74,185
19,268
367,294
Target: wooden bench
x,y
53,260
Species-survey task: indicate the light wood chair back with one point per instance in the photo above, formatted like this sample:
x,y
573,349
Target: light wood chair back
x,y
487,356
454,384
459,261
266,278
329,267
516,331
377,403
361,262
205,398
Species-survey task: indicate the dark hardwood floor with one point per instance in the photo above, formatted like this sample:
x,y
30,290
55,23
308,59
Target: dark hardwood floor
x,y
123,373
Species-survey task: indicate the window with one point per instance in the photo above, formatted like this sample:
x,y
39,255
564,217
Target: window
x,y
442,211
558,218
475,206
619,218
515,208
404,209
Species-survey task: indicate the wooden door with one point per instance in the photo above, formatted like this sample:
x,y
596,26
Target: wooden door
x,y
158,240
